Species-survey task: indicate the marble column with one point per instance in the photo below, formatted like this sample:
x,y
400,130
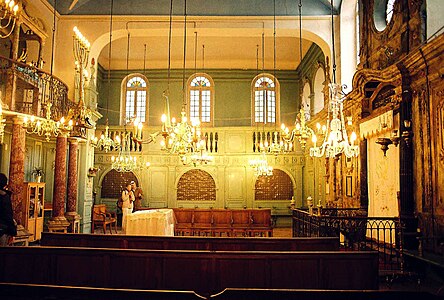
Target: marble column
x,y
71,207
17,169
58,221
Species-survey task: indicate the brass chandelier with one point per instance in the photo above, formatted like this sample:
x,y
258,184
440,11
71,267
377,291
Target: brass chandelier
x,y
106,143
181,138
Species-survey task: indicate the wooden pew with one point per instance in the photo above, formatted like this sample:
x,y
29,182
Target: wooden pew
x,y
205,272
17,291
189,242
255,294
218,222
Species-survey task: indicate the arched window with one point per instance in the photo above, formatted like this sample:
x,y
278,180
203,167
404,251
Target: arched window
x,y
135,91
318,103
265,98
306,100
200,98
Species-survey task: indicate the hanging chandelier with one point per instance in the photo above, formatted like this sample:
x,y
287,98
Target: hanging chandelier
x,y
8,17
125,162
46,126
335,139
261,167
277,145
106,143
181,138
301,132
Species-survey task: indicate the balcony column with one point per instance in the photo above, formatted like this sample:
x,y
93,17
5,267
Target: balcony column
x,y
17,169
58,221
71,207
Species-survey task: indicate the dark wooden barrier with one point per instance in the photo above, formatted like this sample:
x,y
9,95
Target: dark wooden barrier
x,y
11,291
266,294
219,222
205,272
14,291
189,242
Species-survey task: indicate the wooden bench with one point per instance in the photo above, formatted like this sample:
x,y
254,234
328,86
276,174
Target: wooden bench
x,y
205,272
190,242
223,222
102,218
15,291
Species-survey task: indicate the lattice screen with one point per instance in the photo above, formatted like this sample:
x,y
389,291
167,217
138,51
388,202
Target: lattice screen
x,y
276,187
196,185
114,182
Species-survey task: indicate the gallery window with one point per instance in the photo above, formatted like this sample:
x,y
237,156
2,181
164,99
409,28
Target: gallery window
x,y
265,98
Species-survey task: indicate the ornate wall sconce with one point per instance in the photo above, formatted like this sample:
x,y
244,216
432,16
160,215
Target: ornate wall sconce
x,y
385,142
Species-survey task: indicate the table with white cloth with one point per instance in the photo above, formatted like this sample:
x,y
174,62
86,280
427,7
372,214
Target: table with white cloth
x,y
158,222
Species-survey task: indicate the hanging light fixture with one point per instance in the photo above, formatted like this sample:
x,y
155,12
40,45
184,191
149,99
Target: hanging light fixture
x,y
277,145
9,13
301,132
125,162
180,138
336,140
46,126
106,142
260,165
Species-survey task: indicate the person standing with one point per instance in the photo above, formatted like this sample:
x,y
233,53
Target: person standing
x,y
138,195
127,204
8,229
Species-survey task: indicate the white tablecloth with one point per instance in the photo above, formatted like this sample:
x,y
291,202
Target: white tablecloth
x,y
151,222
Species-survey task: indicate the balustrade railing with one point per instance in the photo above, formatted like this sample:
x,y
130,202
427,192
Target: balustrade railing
x,y
34,89
356,232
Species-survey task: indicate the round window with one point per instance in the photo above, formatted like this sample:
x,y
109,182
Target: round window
x,y
382,13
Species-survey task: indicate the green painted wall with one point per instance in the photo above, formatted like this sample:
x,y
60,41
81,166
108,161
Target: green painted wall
x,y
232,95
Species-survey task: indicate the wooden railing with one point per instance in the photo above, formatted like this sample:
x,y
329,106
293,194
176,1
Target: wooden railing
x,y
357,232
34,89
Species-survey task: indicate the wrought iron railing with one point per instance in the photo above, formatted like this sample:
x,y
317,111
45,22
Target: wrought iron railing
x,y
356,231
34,89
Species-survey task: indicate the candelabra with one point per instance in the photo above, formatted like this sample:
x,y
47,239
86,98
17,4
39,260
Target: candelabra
x,y
81,114
46,126
8,17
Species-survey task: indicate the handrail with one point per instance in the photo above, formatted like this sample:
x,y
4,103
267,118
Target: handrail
x,y
28,90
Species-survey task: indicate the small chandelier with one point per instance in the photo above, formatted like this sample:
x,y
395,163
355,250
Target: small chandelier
x,y
105,142
125,162
261,167
8,16
301,132
46,126
336,140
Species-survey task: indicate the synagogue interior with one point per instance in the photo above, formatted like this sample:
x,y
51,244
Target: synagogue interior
x,y
249,149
